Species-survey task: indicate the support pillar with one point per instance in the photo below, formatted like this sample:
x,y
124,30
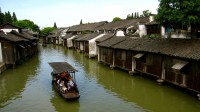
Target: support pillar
x,y
198,95
161,80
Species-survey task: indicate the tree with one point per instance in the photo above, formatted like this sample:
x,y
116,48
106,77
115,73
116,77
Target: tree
x,y
116,19
7,17
27,24
135,15
45,31
55,26
1,18
128,17
14,18
138,15
145,13
132,16
176,13
81,22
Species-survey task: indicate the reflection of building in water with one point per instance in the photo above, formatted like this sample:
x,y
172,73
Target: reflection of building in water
x,y
13,81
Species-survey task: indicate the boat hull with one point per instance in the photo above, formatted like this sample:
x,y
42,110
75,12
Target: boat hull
x,y
72,95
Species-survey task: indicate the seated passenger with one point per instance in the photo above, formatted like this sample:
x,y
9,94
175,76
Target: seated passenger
x,y
63,87
70,84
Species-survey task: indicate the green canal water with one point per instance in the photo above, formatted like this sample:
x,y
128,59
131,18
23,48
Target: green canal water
x,y
28,88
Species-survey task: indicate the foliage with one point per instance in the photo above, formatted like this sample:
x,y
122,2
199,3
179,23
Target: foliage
x,y
81,22
55,26
27,24
116,19
132,16
176,13
14,17
146,13
7,17
1,18
45,31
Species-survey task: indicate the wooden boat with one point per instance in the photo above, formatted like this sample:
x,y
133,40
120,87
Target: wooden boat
x,y
62,75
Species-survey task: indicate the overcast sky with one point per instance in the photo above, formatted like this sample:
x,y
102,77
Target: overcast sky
x,y
69,12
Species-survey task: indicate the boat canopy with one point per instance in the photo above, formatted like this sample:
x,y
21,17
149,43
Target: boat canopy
x,y
59,67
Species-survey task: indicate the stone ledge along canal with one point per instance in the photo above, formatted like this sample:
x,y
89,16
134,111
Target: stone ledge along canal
x,y
27,88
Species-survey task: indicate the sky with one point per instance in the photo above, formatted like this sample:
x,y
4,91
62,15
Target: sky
x,y
70,12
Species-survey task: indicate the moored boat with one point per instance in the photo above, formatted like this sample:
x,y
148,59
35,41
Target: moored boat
x,y
63,80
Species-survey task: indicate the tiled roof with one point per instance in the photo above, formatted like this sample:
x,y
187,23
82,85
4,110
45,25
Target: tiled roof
x,y
152,23
128,44
12,37
123,23
29,36
56,31
105,37
24,35
112,41
86,27
67,36
53,35
183,48
80,37
9,26
91,36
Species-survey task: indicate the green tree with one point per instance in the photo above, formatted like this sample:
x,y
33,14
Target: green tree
x,y
27,24
81,22
135,15
7,17
132,16
1,18
45,31
145,13
14,18
180,12
116,19
55,26
138,15
128,17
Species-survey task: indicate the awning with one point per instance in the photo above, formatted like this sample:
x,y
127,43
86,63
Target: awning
x,y
139,55
21,46
59,67
28,45
179,66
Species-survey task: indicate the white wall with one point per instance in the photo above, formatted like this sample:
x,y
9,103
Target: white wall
x,y
9,30
69,41
163,32
60,40
142,30
179,35
81,46
120,33
93,47
151,18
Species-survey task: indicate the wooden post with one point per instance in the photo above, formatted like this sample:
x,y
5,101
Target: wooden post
x,y
161,80
113,65
132,72
198,95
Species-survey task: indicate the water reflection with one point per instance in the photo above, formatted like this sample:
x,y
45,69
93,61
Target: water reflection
x,y
142,93
28,88
62,105
13,81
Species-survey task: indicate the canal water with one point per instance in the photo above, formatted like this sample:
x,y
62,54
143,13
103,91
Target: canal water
x,y
28,88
